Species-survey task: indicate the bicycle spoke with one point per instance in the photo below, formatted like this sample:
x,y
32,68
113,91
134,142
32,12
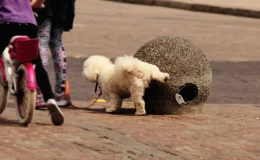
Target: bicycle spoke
x,y
21,92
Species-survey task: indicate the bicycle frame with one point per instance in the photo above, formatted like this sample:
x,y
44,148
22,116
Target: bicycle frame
x,y
21,50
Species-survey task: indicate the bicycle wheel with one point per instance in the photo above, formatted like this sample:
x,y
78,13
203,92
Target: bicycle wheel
x,y
25,98
4,92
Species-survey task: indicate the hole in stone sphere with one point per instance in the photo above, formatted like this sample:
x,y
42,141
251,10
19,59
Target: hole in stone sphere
x,y
189,92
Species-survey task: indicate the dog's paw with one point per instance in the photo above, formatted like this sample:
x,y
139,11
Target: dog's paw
x,y
111,110
142,113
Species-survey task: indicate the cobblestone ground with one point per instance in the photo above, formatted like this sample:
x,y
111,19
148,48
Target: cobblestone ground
x,y
222,132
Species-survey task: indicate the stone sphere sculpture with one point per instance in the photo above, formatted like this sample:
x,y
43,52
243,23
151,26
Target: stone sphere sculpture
x,y
190,76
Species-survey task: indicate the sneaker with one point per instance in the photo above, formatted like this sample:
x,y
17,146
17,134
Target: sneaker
x,y
40,103
62,99
57,117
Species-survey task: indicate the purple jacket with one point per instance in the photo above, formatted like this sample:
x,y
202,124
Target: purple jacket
x,y
16,11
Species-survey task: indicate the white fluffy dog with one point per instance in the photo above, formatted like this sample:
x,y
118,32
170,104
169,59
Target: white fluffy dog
x,y
127,77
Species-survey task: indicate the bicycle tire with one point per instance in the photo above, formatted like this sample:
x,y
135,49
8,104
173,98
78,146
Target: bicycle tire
x,y
25,98
4,93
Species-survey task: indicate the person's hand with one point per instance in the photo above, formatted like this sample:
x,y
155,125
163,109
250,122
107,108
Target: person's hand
x,y
37,3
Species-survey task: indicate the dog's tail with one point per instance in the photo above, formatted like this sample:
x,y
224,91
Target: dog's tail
x,y
160,76
132,66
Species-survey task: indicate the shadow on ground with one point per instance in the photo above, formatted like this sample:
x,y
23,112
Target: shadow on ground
x,y
122,111
8,122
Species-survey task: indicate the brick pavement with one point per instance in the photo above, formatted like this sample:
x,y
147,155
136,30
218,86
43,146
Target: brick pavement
x,y
222,132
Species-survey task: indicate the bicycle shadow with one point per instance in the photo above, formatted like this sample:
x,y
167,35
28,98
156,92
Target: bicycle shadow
x,y
8,122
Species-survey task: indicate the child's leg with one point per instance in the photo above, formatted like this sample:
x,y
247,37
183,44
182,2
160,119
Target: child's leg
x,y
5,36
43,34
43,81
59,58
60,64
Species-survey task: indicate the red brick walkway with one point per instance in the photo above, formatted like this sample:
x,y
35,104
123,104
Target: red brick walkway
x,y
222,132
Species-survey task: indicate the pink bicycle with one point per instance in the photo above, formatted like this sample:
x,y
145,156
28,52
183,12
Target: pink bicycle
x,y
17,76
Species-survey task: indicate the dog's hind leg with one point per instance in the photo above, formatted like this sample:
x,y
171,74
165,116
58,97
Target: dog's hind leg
x,y
116,103
137,93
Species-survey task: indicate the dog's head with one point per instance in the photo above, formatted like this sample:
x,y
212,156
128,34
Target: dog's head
x,y
92,67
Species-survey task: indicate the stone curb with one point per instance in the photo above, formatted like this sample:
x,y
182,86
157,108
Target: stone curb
x,y
197,7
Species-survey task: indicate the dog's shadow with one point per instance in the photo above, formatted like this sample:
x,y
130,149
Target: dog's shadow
x,y
122,111
100,108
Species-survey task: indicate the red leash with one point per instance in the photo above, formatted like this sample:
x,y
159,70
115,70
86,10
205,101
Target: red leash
x,y
99,94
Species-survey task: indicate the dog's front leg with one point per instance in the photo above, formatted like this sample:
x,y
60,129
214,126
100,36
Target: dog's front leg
x,y
137,93
116,103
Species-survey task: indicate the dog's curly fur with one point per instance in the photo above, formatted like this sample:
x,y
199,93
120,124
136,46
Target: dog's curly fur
x,y
127,77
